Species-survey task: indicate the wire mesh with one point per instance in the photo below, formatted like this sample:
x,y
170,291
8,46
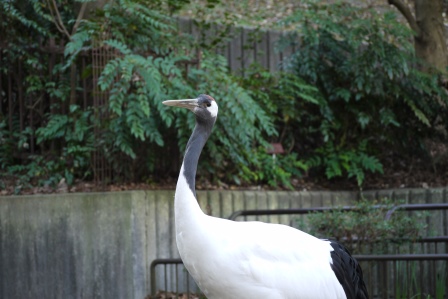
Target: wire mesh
x,y
102,169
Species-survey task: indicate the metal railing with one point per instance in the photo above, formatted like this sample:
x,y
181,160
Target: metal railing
x,y
405,207
388,275
405,276
392,275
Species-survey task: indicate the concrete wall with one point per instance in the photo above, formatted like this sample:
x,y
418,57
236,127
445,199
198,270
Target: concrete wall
x,y
73,246
100,245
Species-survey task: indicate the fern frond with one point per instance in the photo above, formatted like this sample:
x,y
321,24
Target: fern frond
x,y
118,45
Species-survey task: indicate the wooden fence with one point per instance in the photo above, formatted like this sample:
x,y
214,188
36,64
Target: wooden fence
x,y
242,46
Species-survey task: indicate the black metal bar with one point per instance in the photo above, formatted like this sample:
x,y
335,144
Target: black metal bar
x,y
406,207
417,207
171,261
286,211
168,261
154,263
177,281
365,258
188,285
165,279
360,258
436,239
401,257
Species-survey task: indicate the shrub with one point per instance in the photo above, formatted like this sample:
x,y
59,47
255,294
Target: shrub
x,y
138,136
371,97
347,97
365,228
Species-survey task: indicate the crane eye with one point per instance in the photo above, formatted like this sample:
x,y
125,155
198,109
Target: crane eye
x,y
208,104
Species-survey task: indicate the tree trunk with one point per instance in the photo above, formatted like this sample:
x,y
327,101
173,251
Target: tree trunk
x,y
429,40
430,44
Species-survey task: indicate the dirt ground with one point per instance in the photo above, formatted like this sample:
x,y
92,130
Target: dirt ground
x,y
391,179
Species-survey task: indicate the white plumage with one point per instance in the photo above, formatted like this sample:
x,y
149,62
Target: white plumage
x,y
252,260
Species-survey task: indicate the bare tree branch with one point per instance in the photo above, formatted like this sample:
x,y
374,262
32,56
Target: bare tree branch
x,y
79,18
57,19
406,12
53,16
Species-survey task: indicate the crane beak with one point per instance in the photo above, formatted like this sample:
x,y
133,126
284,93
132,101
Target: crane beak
x,y
186,103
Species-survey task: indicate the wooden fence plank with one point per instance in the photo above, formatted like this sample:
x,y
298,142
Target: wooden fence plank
x,y
274,54
238,201
235,51
262,50
249,39
261,200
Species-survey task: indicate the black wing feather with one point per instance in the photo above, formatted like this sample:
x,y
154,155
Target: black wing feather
x,y
348,272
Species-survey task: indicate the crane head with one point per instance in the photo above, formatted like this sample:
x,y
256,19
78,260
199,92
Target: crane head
x,y
204,106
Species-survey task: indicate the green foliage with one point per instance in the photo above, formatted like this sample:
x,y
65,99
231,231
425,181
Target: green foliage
x,y
339,160
38,172
71,130
149,71
409,280
348,93
241,125
370,95
283,96
275,170
366,227
148,65
74,130
30,157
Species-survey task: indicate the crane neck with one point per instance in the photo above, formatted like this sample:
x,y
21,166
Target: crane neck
x,y
195,144
190,220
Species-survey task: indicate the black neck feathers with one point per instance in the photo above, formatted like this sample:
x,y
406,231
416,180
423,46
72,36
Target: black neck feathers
x,y
195,145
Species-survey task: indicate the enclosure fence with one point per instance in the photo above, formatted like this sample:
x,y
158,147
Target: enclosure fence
x,y
101,245
422,272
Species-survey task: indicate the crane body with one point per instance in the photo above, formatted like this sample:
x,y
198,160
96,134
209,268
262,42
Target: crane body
x,y
253,260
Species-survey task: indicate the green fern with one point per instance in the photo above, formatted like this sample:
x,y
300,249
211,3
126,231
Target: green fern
x,y
118,45
339,161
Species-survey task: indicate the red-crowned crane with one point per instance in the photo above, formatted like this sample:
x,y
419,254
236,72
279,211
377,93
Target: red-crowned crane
x,y
230,260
